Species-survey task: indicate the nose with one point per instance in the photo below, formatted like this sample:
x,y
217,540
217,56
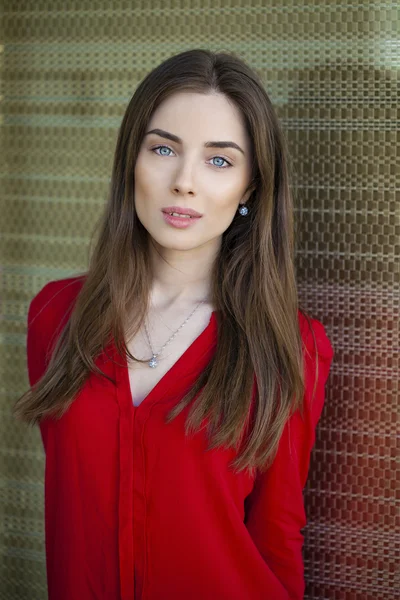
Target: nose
x,y
183,181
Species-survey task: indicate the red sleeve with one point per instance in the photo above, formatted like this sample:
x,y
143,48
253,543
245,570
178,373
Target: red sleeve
x,y
275,512
47,315
37,338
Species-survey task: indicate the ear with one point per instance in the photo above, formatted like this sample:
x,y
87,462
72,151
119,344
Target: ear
x,y
247,194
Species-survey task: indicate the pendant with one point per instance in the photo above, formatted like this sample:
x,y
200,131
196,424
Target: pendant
x,y
153,362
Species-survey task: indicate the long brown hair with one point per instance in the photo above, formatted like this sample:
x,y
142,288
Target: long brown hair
x,y
253,278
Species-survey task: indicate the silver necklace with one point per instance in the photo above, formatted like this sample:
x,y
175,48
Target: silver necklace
x,y
153,361
162,320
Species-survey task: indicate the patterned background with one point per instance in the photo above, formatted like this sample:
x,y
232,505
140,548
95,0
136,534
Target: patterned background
x,y
68,70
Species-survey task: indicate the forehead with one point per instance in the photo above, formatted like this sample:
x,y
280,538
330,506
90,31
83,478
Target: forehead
x,y
202,117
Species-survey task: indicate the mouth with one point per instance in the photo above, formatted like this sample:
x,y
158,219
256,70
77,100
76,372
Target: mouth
x,y
175,214
181,212
179,220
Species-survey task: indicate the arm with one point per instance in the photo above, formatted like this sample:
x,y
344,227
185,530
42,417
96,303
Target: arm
x,y
275,511
39,324
35,347
47,314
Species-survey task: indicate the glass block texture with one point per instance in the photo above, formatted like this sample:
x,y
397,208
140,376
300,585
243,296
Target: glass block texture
x,y
68,70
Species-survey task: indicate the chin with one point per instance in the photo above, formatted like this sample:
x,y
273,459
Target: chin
x,y
183,245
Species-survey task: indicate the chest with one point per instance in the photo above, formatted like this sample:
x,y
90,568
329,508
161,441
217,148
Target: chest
x,y
142,378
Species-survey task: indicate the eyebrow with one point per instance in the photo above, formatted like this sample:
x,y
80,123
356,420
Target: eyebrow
x,y
175,138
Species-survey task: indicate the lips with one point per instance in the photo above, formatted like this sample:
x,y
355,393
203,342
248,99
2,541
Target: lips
x,y
184,216
179,222
181,211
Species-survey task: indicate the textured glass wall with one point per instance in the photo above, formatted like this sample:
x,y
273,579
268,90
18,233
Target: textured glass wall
x,y
332,70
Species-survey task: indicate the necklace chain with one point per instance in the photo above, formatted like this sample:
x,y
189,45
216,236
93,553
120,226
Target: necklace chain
x,y
162,320
153,361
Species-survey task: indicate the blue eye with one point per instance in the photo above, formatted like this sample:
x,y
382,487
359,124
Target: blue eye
x,y
223,159
228,164
157,147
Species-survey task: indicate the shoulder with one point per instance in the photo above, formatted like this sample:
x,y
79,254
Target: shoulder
x,y
48,313
318,356
56,294
55,297
315,338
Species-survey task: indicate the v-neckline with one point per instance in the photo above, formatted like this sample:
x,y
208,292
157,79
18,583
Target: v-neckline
x,y
166,380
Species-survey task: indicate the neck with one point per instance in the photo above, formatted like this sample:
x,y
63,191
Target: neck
x,y
181,277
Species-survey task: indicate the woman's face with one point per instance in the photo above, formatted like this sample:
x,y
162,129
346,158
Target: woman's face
x,y
185,173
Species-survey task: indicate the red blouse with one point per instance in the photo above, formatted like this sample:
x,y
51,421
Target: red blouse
x,y
134,510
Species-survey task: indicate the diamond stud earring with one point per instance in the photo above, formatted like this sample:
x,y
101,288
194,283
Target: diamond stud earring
x,y
243,210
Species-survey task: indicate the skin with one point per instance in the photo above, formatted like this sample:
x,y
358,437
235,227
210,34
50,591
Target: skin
x,y
190,175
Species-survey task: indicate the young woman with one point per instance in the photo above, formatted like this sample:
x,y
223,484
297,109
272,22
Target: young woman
x,y
177,383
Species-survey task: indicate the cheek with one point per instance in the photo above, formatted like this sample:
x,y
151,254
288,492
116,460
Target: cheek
x,y
148,181
226,197
143,186
140,173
